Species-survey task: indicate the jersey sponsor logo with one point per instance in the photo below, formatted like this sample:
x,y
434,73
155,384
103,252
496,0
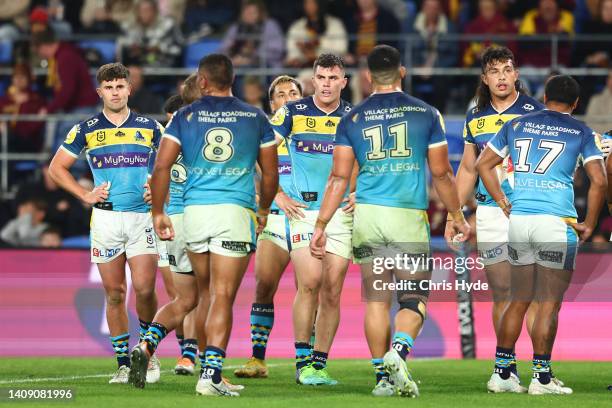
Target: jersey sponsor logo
x,y
311,146
178,173
295,238
92,122
100,136
172,260
117,160
528,107
235,246
301,106
512,253
284,168
551,256
347,108
481,198
491,253
309,196
104,252
362,252
142,120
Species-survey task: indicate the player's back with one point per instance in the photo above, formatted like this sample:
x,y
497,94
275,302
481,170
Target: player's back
x,y
390,134
220,139
545,147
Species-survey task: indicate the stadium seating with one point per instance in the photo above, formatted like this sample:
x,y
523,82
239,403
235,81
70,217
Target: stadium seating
x,y
195,51
6,51
106,48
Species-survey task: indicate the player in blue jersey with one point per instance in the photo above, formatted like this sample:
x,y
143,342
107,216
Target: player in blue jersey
x,y
118,145
393,136
499,98
220,138
308,126
273,244
543,233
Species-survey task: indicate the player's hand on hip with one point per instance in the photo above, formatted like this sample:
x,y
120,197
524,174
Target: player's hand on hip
x,y
98,195
289,206
163,227
350,206
261,224
147,197
584,231
317,243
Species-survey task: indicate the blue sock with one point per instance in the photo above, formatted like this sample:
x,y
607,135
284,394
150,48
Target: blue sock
x,y
214,363
302,355
262,320
190,349
202,358
541,368
181,342
503,359
513,368
379,369
402,343
121,347
144,326
154,335
319,359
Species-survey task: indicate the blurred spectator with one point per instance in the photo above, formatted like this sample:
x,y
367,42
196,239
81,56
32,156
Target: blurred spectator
x,y
63,210
42,18
23,136
141,99
10,10
51,237
433,50
150,39
597,53
548,18
488,22
205,16
253,92
101,21
284,12
25,230
369,22
599,110
315,33
255,39
119,10
305,78
175,9
68,77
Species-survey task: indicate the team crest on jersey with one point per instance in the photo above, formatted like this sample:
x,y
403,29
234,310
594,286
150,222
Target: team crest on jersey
x,y
279,116
355,118
119,134
139,137
528,107
499,122
100,136
480,124
142,120
301,106
311,123
189,116
515,125
92,122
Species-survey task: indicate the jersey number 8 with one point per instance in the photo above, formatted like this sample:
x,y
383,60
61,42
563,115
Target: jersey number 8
x,y
218,147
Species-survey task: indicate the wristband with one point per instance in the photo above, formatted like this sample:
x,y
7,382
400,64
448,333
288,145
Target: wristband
x,y
503,203
262,212
455,216
321,223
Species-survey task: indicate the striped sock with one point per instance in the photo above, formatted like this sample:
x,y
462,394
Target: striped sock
x,y
144,327
541,368
402,343
121,347
379,369
503,358
214,363
154,335
302,355
190,349
181,342
262,320
202,358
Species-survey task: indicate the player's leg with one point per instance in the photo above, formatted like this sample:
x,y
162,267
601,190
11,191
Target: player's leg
x,y
186,363
164,268
200,314
271,259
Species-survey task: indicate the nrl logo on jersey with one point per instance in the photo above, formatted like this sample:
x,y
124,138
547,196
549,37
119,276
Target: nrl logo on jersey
x,y
311,123
142,120
528,107
100,136
92,122
480,124
301,106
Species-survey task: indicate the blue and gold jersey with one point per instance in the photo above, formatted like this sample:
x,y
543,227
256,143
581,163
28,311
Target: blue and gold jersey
x,y
309,133
220,138
119,155
390,134
480,127
178,178
284,169
545,147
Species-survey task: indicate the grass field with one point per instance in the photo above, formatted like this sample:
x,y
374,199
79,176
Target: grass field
x,y
442,383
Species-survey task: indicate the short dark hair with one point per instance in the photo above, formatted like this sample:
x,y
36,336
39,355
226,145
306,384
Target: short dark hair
x,y
562,89
47,36
283,79
219,70
383,63
173,103
496,54
112,71
328,61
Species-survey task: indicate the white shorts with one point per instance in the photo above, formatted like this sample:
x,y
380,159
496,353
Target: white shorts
x,y
339,232
546,240
276,231
115,232
223,229
162,253
177,251
491,234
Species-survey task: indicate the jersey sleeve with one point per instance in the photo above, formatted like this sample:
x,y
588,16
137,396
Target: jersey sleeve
x,y
75,141
589,149
499,142
282,122
157,135
437,136
342,137
172,130
267,134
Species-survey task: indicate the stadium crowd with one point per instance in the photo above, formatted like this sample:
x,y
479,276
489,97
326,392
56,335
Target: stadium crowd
x,y
272,34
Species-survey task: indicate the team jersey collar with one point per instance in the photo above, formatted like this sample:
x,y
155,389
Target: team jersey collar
x,y
322,110
518,95
561,113
126,120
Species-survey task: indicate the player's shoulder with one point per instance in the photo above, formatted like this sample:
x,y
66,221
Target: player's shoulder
x,y
345,107
300,106
528,104
144,122
90,124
